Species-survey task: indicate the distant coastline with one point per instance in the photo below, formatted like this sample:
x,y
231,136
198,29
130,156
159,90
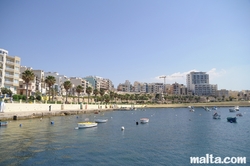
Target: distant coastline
x,y
209,104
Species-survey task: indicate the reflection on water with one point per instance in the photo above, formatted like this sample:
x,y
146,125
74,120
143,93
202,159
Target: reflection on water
x,y
171,136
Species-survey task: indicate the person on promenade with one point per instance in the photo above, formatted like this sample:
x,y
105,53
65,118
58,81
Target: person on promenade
x,y
2,106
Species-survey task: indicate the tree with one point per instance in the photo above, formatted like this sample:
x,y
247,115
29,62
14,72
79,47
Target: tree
x,y
102,92
88,91
79,89
67,85
96,92
106,98
27,76
50,81
111,95
6,91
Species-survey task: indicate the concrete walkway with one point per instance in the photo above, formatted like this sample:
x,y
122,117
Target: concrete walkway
x,y
40,114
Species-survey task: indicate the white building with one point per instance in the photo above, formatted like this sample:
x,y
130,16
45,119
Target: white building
x,y
9,71
60,79
198,83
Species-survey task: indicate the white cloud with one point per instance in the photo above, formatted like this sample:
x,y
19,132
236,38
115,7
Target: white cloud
x,y
213,73
181,77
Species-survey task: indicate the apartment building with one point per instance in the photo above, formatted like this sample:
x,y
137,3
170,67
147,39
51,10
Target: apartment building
x,y
222,93
100,83
79,81
60,79
198,83
155,88
178,89
125,87
22,85
140,87
9,71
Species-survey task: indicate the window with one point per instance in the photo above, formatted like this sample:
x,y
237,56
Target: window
x,y
17,62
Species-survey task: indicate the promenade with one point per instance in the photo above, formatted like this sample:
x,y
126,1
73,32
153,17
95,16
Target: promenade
x,y
17,111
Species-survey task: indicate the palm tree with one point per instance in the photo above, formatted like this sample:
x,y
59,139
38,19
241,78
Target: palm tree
x,y
27,76
96,92
102,92
111,95
106,98
50,80
88,91
67,85
79,89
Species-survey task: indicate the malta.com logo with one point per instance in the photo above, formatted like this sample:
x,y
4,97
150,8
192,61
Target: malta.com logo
x,y
210,159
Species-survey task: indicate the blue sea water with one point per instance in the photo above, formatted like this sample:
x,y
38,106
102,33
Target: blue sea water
x,y
171,137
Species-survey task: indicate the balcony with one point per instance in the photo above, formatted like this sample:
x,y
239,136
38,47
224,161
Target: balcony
x,y
9,76
9,69
8,82
10,62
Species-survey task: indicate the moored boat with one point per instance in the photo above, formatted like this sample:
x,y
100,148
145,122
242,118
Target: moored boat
x,y
101,120
216,115
239,114
232,110
3,123
231,119
237,108
82,125
214,108
144,120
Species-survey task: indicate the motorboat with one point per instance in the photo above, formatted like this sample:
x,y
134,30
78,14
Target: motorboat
x,y
3,123
232,110
206,109
239,114
101,120
237,108
214,108
192,110
216,116
82,125
231,119
144,120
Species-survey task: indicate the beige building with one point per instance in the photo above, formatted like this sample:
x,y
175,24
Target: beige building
x,y
9,71
22,86
79,81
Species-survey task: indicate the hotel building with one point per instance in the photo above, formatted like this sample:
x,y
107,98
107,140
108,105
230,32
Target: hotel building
x,y
198,83
9,71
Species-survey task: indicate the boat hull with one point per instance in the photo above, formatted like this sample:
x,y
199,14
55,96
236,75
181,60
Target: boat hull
x,y
86,125
144,120
3,123
232,120
101,120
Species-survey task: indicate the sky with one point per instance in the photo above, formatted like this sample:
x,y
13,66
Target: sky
x,y
135,40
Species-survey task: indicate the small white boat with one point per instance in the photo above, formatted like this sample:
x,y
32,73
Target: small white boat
x,y
237,108
3,123
101,120
82,125
191,110
144,120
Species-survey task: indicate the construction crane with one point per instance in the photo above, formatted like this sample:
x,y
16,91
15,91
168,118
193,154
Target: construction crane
x,y
164,77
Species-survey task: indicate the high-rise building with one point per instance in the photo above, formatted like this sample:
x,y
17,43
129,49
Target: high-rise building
x,y
9,71
198,83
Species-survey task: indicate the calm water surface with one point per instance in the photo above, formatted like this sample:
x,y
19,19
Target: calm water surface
x,y
171,137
